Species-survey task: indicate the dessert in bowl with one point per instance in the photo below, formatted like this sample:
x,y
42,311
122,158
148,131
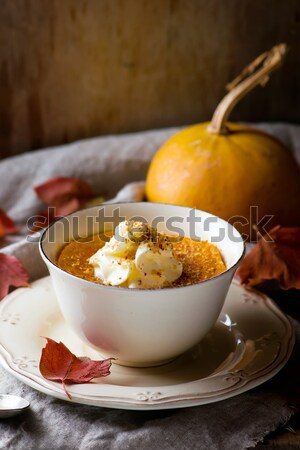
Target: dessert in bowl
x,y
141,282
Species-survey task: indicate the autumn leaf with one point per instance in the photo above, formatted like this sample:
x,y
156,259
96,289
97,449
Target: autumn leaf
x,y
66,194
12,273
60,190
59,364
276,256
7,226
63,195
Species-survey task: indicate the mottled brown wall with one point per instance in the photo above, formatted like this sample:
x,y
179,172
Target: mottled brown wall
x,y
74,68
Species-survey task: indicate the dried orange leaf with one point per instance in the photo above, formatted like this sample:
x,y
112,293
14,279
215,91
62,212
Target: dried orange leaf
x,y
276,256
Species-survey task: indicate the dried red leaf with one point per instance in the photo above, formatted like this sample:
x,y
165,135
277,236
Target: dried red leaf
x,y
69,206
66,194
276,256
7,226
63,195
12,273
59,190
59,364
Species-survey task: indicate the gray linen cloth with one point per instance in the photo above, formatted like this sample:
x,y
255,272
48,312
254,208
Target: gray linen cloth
x,y
108,163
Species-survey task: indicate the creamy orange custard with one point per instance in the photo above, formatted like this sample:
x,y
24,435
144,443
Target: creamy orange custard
x,y
200,260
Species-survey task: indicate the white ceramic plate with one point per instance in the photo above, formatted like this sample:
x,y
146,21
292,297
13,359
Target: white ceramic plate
x,y
250,343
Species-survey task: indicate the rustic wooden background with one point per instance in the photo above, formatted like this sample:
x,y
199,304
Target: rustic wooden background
x,y
76,68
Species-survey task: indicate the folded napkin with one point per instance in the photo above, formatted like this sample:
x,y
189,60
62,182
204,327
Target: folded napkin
x,y
109,163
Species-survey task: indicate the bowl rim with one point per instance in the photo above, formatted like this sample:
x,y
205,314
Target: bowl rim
x,y
47,260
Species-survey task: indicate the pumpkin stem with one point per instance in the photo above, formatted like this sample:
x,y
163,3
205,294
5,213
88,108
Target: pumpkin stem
x,y
255,73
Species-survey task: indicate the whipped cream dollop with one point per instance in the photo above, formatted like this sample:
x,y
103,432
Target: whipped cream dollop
x,y
137,256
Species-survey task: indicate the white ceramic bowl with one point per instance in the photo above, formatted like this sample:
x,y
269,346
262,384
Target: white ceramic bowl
x,y
141,327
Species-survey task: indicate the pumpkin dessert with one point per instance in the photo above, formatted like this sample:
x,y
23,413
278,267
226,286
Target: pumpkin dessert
x,y
137,256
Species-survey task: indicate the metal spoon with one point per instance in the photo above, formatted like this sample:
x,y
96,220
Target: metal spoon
x,y
12,405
